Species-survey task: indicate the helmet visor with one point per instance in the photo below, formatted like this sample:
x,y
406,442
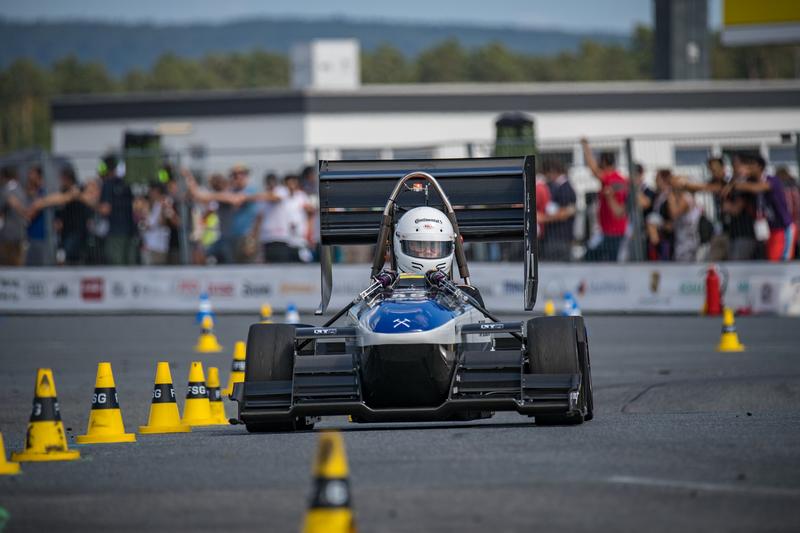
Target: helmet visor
x,y
427,249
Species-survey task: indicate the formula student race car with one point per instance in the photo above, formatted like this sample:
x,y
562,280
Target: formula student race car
x,y
415,345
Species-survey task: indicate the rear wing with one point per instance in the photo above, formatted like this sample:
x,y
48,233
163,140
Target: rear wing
x,y
493,199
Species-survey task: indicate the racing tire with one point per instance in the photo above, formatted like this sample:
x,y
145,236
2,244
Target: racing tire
x,y
559,345
270,357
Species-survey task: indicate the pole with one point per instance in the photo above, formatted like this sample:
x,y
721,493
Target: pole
x,y
634,213
183,210
50,186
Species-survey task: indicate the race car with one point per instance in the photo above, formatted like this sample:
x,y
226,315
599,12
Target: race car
x,y
415,344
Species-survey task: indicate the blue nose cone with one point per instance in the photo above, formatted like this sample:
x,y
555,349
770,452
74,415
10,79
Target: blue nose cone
x,y
408,316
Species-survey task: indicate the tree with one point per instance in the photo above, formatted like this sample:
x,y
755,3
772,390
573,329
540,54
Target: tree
x,y
70,76
444,62
494,63
386,65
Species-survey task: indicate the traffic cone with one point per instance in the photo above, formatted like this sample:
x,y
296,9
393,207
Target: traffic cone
x,y
197,410
237,367
266,314
164,416
729,340
292,315
7,468
571,307
45,440
549,308
105,418
215,398
204,308
207,342
329,510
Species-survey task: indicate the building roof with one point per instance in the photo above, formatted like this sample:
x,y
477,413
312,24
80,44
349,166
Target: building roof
x,y
463,97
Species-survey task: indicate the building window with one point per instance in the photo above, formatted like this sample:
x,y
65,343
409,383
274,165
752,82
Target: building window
x,y
361,154
425,152
782,155
690,156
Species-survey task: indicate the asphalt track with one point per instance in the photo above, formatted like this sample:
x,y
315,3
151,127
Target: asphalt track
x,y
684,439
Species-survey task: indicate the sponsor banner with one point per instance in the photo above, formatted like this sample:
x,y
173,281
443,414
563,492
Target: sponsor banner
x,y
642,287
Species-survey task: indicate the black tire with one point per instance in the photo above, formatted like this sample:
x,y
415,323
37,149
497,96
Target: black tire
x,y
558,345
270,357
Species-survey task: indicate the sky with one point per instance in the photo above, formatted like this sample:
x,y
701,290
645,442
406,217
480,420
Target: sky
x,y
618,16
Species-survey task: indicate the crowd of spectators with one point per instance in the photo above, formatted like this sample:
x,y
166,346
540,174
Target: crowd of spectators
x,y
232,218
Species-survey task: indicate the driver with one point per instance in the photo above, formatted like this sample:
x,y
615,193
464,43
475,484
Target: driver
x,y
424,240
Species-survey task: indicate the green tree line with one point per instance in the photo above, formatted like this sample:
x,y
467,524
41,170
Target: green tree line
x,y
26,87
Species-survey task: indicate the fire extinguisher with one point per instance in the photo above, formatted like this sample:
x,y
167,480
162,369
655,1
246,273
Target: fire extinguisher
x,y
713,305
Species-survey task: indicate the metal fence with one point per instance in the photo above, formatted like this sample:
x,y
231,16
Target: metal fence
x,y
684,202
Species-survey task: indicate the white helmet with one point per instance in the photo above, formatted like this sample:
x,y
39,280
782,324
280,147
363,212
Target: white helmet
x,y
423,241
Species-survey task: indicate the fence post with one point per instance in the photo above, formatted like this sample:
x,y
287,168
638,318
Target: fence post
x,y
634,213
50,186
183,211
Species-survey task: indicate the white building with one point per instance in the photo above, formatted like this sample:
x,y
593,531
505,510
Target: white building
x,y
672,123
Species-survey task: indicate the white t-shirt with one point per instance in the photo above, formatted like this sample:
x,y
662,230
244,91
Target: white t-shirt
x,y
156,234
286,220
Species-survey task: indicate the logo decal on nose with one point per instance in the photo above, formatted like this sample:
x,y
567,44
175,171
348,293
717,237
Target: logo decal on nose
x,y
401,322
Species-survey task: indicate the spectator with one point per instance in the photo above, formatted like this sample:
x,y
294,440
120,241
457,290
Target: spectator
x,y
739,214
13,215
613,196
284,221
542,199
719,180
223,203
660,234
37,252
116,204
156,230
310,184
772,202
645,196
73,218
245,246
685,216
792,190
559,218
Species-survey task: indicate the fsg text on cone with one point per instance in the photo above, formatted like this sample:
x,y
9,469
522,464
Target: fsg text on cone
x,y
45,439
729,339
197,409
330,507
237,367
7,468
164,416
105,418
215,398
207,342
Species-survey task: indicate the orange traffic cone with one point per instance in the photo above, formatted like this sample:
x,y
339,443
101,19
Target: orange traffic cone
x,y
330,507
164,416
197,409
105,418
215,398
207,342
7,468
45,440
237,367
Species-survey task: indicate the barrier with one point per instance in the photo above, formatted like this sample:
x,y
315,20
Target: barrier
x,y
641,287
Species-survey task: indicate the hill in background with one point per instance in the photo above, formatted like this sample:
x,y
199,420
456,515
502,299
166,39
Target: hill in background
x,y
122,47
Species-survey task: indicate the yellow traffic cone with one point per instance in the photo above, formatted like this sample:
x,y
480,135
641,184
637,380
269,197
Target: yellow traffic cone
x,y
549,308
164,416
237,367
7,468
197,410
266,314
329,510
45,440
215,398
729,340
105,418
207,342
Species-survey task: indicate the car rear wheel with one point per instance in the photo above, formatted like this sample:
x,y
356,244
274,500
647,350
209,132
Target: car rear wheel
x,y
558,345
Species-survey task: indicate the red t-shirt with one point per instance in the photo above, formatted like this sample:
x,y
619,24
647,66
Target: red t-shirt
x,y
610,224
542,199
